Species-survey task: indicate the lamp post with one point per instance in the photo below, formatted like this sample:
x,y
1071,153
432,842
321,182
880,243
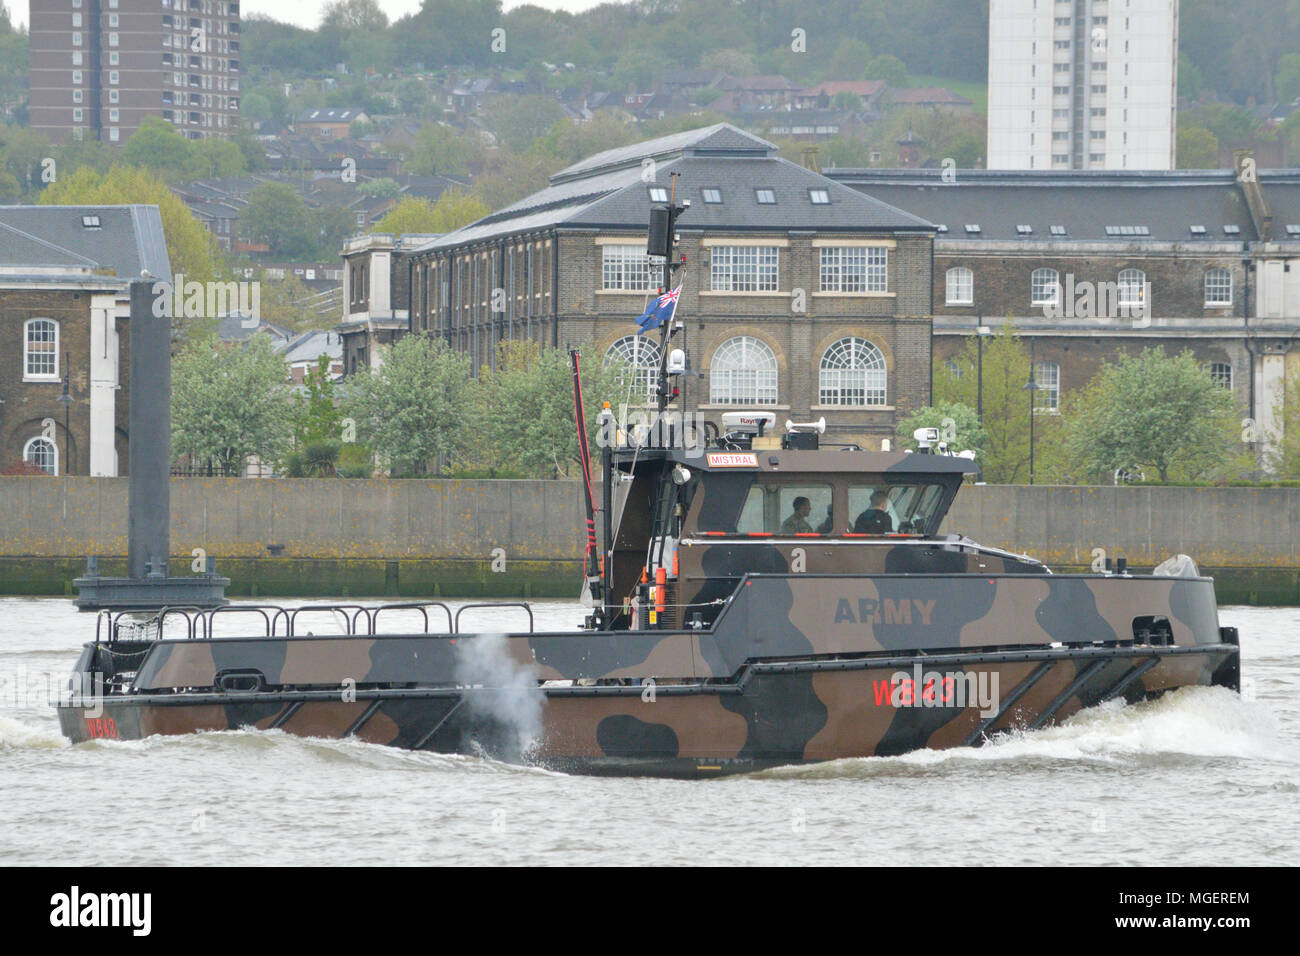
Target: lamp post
x,y
1031,386
981,330
66,401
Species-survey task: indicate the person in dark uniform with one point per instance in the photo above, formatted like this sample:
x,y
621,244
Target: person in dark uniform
x,y
875,520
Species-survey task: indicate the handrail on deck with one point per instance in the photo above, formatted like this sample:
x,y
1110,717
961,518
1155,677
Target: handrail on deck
x,y
465,607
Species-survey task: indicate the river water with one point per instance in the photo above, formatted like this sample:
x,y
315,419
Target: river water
x,y
1201,776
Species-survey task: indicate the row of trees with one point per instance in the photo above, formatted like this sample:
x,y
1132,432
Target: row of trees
x,y
422,412
1240,50
1151,415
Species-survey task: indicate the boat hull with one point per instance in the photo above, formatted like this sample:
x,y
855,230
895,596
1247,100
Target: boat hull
x,y
774,713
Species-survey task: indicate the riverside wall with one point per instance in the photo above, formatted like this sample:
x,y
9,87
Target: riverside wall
x,y
499,537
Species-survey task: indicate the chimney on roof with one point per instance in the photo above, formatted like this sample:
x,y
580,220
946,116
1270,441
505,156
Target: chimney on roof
x,y
1248,178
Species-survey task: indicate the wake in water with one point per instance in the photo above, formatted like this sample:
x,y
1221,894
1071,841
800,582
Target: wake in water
x,y
1189,722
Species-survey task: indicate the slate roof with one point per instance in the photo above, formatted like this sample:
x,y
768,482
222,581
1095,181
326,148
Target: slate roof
x,y
128,240
606,191
1166,203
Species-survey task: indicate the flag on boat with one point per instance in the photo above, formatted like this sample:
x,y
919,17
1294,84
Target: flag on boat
x,y
660,311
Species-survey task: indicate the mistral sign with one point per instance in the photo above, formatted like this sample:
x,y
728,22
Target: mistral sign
x,y
191,299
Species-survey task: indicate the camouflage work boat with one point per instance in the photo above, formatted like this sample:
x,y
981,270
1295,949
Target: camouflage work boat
x,y
757,599
748,638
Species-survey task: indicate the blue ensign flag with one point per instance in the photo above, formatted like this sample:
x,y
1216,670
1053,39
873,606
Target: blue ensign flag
x,y
661,310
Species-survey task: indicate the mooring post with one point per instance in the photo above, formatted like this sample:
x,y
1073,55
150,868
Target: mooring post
x,y
148,486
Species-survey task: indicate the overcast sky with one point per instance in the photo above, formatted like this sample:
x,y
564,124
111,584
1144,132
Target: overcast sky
x,y
307,13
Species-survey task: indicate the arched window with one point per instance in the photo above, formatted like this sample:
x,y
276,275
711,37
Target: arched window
x,y
1045,287
743,372
1218,287
42,453
1132,287
1047,397
641,354
960,286
41,349
1221,372
852,373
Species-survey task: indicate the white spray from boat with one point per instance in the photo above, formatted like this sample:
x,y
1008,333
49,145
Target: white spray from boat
x,y
504,694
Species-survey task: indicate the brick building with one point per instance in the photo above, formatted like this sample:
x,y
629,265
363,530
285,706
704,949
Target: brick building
x,y
1213,256
64,306
99,67
800,295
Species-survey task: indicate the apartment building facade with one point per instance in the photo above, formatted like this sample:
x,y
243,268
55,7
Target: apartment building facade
x,y
99,67
1082,84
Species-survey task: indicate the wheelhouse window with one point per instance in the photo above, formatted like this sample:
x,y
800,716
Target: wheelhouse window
x,y
786,509
1045,287
42,453
41,350
628,268
641,356
743,372
883,508
959,286
1218,287
852,373
854,269
744,268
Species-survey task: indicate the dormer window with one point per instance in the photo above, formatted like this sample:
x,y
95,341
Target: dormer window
x,y
658,194
819,197
765,197
90,222
711,196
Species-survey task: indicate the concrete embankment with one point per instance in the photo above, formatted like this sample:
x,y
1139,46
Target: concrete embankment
x,y
499,538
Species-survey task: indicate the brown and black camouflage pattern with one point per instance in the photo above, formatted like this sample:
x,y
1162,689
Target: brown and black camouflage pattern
x,y
791,661
789,673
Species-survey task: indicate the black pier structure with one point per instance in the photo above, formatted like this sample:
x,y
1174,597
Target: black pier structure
x,y
148,585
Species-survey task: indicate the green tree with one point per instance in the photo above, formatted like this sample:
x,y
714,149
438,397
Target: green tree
x,y
210,158
412,96
1164,415
190,246
519,120
228,404
1005,458
444,151
524,409
453,209
414,407
157,146
1286,78
278,216
958,425
889,68
385,186
1283,455
1198,148
316,415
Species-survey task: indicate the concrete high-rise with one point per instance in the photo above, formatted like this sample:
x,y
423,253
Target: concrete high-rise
x,y
99,67
1082,84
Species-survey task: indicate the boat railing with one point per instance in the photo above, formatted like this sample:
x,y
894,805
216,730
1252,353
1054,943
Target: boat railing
x,y
466,607
356,619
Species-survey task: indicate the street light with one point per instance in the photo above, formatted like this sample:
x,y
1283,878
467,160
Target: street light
x,y
66,401
1031,386
981,330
